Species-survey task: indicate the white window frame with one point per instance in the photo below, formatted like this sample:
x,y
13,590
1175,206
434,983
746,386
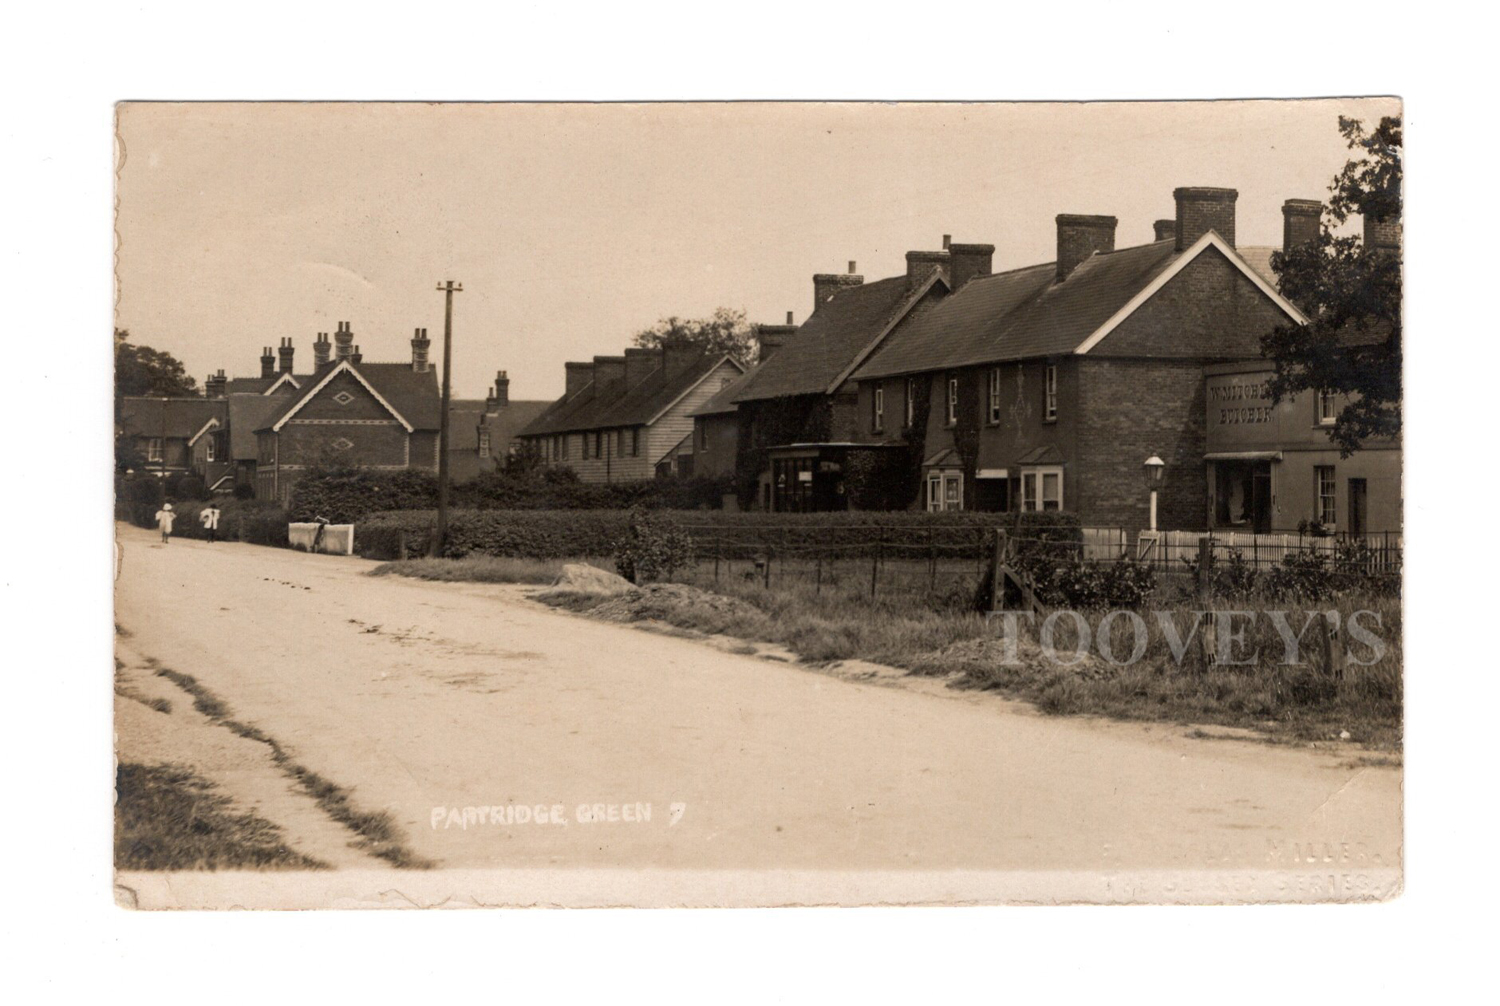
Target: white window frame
x,y
1326,503
1325,410
952,401
155,449
209,454
938,481
877,418
994,402
1033,486
1049,393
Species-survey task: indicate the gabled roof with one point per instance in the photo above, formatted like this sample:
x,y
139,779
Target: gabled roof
x,y
410,396
1027,313
724,401
171,417
841,331
262,385
613,404
504,422
248,412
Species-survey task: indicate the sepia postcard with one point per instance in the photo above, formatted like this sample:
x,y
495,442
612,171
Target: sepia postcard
x,y
758,504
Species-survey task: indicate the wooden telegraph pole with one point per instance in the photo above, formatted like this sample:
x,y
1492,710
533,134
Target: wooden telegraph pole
x,y
449,288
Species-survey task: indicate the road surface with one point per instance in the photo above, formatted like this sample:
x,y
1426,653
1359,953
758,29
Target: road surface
x,y
424,699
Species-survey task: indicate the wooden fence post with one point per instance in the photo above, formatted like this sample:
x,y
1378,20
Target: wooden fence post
x,y
997,578
401,544
1331,635
1205,598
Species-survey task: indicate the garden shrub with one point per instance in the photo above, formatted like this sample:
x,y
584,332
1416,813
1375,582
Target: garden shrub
x,y
653,548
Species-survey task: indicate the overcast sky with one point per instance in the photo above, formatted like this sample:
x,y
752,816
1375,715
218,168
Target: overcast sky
x,y
572,227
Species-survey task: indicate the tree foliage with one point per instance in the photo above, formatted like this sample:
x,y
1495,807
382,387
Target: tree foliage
x,y
726,331
1352,344
141,370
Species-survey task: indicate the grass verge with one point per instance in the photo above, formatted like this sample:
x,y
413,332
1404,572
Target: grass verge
x,y
169,818
378,834
483,569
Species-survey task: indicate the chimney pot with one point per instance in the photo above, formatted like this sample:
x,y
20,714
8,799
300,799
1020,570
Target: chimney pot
x,y
1201,209
502,389
285,351
267,362
419,346
1078,237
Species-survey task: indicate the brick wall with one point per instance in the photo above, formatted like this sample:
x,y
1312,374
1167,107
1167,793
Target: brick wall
x,y
1136,408
374,444
1208,310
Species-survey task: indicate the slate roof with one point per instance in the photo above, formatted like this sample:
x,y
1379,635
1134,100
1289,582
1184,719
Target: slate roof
x,y
504,424
1020,314
724,401
247,413
412,393
831,339
173,418
613,404
1258,257
258,385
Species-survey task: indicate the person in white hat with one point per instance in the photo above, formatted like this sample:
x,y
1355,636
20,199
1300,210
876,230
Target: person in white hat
x,y
164,519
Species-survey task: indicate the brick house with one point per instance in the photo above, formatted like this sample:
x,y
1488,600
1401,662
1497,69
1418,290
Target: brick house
x,y
621,416
382,416
178,436
482,432
796,418
1047,387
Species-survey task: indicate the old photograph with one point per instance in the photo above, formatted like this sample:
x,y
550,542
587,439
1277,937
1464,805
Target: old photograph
x,y
758,503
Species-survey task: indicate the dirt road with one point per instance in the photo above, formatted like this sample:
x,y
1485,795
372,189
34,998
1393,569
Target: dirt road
x,y
424,699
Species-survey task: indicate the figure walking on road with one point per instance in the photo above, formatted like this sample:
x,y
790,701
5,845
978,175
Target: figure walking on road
x,y
164,519
210,519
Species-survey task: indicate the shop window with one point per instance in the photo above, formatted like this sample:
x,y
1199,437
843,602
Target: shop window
x,y
994,399
1327,501
1042,488
877,410
1049,404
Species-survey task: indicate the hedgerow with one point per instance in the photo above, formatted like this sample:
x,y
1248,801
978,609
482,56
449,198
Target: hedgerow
x,y
555,534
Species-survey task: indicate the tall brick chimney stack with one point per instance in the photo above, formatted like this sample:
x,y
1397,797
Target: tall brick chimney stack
x,y
578,376
1166,230
639,362
322,350
343,340
966,262
920,264
771,338
1078,237
607,370
502,389
1382,236
214,386
1300,222
1200,210
267,362
356,356
285,351
419,346
826,284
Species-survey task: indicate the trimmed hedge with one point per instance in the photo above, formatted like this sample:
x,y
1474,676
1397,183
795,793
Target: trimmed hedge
x,y
253,521
558,534
349,495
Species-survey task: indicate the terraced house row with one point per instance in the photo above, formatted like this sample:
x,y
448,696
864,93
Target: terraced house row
x,y
1048,387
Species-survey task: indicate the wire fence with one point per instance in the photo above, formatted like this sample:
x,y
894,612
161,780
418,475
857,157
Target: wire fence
x,y
944,562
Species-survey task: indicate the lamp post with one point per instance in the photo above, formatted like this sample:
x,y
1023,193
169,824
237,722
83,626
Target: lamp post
x,y
1154,467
